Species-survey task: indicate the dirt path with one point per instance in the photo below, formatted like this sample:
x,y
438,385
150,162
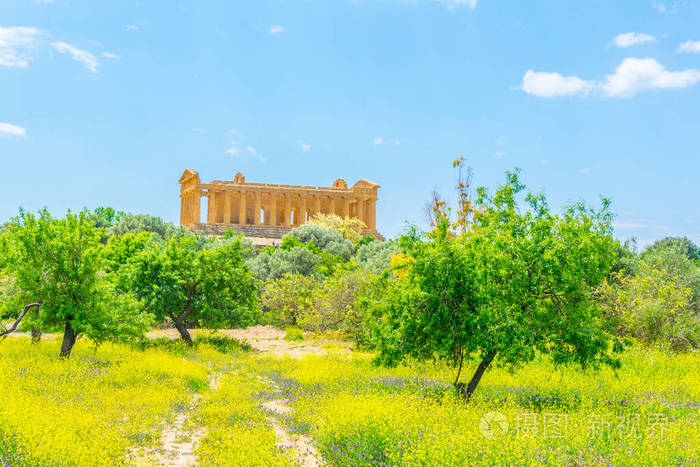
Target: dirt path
x,y
268,339
300,446
177,443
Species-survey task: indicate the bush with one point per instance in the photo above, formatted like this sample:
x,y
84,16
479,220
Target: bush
x,y
375,257
284,299
349,228
317,305
653,306
277,263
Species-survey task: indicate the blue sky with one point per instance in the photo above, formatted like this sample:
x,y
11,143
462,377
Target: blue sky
x,y
107,102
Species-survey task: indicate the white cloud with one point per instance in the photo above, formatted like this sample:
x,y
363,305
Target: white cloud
x,y
665,8
16,45
629,39
304,146
252,151
397,142
111,55
83,57
378,141
585,171
632,76
498,155
452,4
640,74
132,27
690,47
543,84
233,151
12,130
276,29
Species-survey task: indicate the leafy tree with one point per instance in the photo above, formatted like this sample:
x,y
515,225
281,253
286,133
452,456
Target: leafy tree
x,y
682,245
274,264
653,306
104,217
507,283
306,250
136,223
349,227
120,249
321,237
375,257
284,299
211,286
674,255
333,302
60,262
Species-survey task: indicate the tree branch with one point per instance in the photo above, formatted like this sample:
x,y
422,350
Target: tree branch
x,y
5,331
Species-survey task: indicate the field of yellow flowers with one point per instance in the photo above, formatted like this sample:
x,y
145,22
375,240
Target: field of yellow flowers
x,y
105,404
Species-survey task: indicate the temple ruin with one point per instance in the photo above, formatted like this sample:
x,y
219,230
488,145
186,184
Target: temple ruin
x,y
269,211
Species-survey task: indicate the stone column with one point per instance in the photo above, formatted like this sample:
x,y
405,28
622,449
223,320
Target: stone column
x,y
360,214
210,208
287,210
227,207
303,209
273,216
242,208
258,203
372,215
346,207
317,204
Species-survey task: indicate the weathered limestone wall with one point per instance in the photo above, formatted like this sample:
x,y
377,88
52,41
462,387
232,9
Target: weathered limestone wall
x,y
270,208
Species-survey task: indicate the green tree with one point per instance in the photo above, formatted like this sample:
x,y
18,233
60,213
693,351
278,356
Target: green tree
x,y
284,299
507,283
653,306
676,256
60,262
375,257
349,227
136,223
181,280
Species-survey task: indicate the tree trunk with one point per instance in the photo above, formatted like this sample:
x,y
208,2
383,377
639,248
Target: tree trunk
x,y
69,337
468,390
182,329
36,335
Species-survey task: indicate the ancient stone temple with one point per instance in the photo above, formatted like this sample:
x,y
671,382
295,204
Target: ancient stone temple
x,y
268,211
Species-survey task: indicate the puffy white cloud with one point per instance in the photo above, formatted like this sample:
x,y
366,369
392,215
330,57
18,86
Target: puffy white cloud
x,y
83,57
16,45
543,84
690,47
632,76
378,141
276,29
498,155
111,55
629,39
12,130
304,146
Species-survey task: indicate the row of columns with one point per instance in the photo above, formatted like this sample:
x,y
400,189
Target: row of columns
x,y
221,206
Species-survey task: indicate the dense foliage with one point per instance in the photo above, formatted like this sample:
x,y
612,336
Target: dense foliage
x,y
209,285
511,284
61,262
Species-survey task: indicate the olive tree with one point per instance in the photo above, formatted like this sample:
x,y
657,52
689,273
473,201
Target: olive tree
x,y
187,281
505,285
